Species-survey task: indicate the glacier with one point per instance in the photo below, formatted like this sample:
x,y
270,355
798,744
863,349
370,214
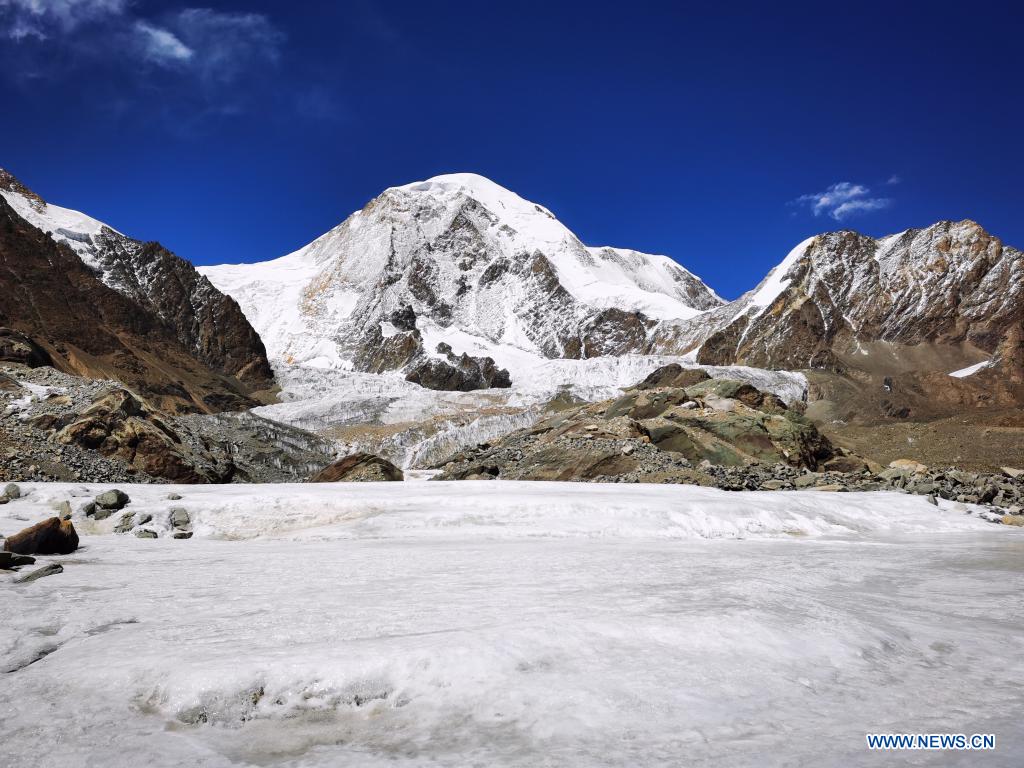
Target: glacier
x,y
512,624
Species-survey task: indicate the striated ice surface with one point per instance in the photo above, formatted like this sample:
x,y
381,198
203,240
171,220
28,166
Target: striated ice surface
x,y
512,624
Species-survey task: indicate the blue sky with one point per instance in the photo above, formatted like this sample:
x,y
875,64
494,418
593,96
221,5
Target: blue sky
x,y
720,134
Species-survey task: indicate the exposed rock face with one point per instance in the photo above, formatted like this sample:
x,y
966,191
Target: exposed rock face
x,y
457,252
54,426
654,434
119,425
461,373
358,468
925,299
50,537
18,348
208,324
88,328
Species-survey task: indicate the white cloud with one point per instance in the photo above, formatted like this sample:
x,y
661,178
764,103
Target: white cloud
x,y
21,19
842,200
894,179
161,46
226,44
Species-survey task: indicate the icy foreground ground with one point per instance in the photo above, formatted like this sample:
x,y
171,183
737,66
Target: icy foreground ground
x,y
513,624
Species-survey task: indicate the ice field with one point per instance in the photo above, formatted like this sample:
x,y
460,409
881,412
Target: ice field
x,y
512,624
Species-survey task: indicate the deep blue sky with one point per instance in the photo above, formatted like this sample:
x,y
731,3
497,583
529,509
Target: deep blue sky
x,y
241,132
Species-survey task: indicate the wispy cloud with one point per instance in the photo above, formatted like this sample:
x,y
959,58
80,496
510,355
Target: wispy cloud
x,y
202,62
844,199
215,46
226,44
39,19
161,46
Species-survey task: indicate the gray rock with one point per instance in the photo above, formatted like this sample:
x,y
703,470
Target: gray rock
x,y
144,518
931,500
182,535
805,481
173,497
11,560
112,500
180,517
145,533
89,509
126,523
12,491
47,570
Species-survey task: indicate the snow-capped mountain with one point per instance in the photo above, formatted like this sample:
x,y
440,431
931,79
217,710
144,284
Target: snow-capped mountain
x,y
208,323
457,260
938,298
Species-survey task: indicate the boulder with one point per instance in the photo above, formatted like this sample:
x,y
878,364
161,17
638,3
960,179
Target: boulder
x,y
126,523
359,467
1013,472
145,533
910,465
16,347
674,376
181,535
10,560
179,518
47,570
50,537
12,491
112,501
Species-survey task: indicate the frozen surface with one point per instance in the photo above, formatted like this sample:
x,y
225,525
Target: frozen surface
x,y
970,370
513,624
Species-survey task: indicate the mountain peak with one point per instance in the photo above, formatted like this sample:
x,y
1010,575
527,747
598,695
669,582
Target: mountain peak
x,y
10,183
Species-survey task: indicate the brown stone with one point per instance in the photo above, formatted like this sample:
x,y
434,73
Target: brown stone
x,y
50,537
359,467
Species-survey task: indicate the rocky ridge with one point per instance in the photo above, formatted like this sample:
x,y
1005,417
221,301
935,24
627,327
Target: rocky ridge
x,y
207,323
54,426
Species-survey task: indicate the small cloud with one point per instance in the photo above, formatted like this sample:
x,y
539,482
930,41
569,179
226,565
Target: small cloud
x,y
161,46
21,19
226,44
894,179
842,200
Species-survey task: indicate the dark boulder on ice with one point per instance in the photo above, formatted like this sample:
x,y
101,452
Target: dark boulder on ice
x,y
112,501
50,537
358,468
10,560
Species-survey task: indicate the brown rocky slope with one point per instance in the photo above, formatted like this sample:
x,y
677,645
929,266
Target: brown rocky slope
x,y
87,328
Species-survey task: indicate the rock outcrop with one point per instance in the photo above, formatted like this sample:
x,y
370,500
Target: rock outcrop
x,y
18,348
461,373
654,433
358,468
